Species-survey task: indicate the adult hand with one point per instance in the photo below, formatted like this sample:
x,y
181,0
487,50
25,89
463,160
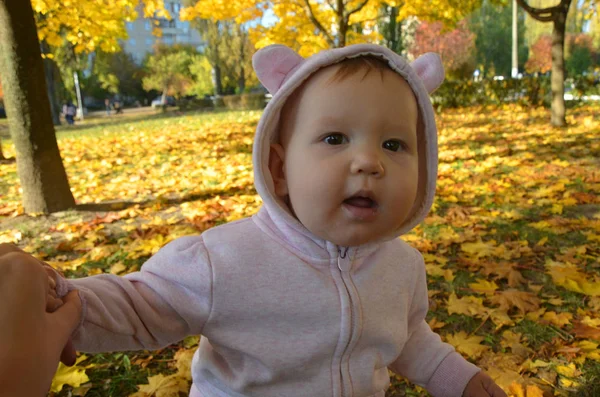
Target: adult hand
x,y
32,339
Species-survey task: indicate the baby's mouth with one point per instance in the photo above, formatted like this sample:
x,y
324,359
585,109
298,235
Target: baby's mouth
x,y
361,202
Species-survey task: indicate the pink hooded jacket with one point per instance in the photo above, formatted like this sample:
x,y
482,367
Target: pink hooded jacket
x,y
282,312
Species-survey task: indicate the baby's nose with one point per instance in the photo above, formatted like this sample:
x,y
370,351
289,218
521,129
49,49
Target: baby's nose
x,y
369,164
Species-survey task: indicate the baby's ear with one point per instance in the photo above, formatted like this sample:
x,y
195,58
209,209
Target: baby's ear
x,y
273,64
430,69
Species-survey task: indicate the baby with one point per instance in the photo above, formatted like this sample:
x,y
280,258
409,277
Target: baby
x,y
315,295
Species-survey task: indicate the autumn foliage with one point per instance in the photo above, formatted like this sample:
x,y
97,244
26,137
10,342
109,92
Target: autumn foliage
x,y
511,245
540,55
454,46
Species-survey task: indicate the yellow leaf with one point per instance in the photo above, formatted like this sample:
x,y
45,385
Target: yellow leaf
x,y
568,370
560,319
469,305
118,268
165,386
469,345
479,249
534,391
524,301
516,390
484,286
72,376
184,363
504,377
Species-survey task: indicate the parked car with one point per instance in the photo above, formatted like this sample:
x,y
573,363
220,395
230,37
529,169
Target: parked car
x,y
169,101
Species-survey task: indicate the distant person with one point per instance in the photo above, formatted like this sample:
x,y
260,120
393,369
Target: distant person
x,y
117,106
69,111
107,106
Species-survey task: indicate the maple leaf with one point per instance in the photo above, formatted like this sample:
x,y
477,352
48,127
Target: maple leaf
x,y
469,345
522,300
469,305
73,376
504,377
560,319
484,286
163,386
480,248
585,331
184,363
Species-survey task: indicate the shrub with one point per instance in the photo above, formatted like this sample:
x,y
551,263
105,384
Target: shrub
x,y
244,101
458,93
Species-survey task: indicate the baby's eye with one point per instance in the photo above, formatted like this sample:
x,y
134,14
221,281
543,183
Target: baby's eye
x,y
394,146
334,139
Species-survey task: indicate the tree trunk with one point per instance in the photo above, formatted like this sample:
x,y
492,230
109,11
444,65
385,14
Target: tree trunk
x,y
558,16
217,80
1,152
242,78
393,31
39,165
558,71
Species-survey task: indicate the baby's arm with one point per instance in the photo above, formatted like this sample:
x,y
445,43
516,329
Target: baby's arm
x,y
425,359
167,300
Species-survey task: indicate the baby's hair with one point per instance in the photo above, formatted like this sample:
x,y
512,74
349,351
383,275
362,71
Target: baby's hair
x,y
351,66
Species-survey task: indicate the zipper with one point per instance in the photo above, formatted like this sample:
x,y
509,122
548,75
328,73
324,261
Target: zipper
x,y
344,264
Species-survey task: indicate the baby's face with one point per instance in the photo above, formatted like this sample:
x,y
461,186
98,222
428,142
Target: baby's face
x,y
350,163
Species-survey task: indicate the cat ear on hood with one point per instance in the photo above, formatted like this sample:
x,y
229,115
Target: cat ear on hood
x,y
273,64
430,69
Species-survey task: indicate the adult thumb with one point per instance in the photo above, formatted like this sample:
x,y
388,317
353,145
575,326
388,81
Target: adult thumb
x,y
67,317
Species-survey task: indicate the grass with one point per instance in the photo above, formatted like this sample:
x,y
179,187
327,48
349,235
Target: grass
x,y
172,174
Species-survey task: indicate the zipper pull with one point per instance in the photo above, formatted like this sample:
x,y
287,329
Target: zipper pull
x,y
344,263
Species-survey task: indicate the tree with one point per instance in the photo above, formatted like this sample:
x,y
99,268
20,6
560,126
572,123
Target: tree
x,y
580,56
540,58
169,70
41,172
492,26
308,26
558,16
39,165
455,47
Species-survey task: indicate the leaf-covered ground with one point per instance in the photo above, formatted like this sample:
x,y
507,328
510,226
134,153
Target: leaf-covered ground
x,y
511,246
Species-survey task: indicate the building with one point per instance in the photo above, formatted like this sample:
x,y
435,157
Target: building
x,y
174,31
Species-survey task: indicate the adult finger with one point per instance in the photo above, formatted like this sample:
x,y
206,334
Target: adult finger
x,y
67,317
6,248
68,356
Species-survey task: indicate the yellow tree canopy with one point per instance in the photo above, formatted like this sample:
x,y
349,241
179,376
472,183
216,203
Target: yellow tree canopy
x,y
90,24
309,26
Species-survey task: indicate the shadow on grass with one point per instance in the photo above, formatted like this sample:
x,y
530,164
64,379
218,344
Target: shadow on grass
x,y
118,205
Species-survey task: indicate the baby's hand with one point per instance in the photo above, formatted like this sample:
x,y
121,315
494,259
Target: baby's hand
x,y
481,385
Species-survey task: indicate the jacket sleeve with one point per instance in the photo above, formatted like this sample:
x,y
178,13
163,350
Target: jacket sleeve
x,y
167,300
426,360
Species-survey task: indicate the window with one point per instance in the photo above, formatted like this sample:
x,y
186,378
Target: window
x,y
148,24
176,8
132,42
168,40
149,41
129,26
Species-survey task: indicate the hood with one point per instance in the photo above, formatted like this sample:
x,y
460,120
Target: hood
x,y
282,71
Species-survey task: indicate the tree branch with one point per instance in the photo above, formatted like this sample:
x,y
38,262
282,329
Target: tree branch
x,y
358,8
548,14
316,22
